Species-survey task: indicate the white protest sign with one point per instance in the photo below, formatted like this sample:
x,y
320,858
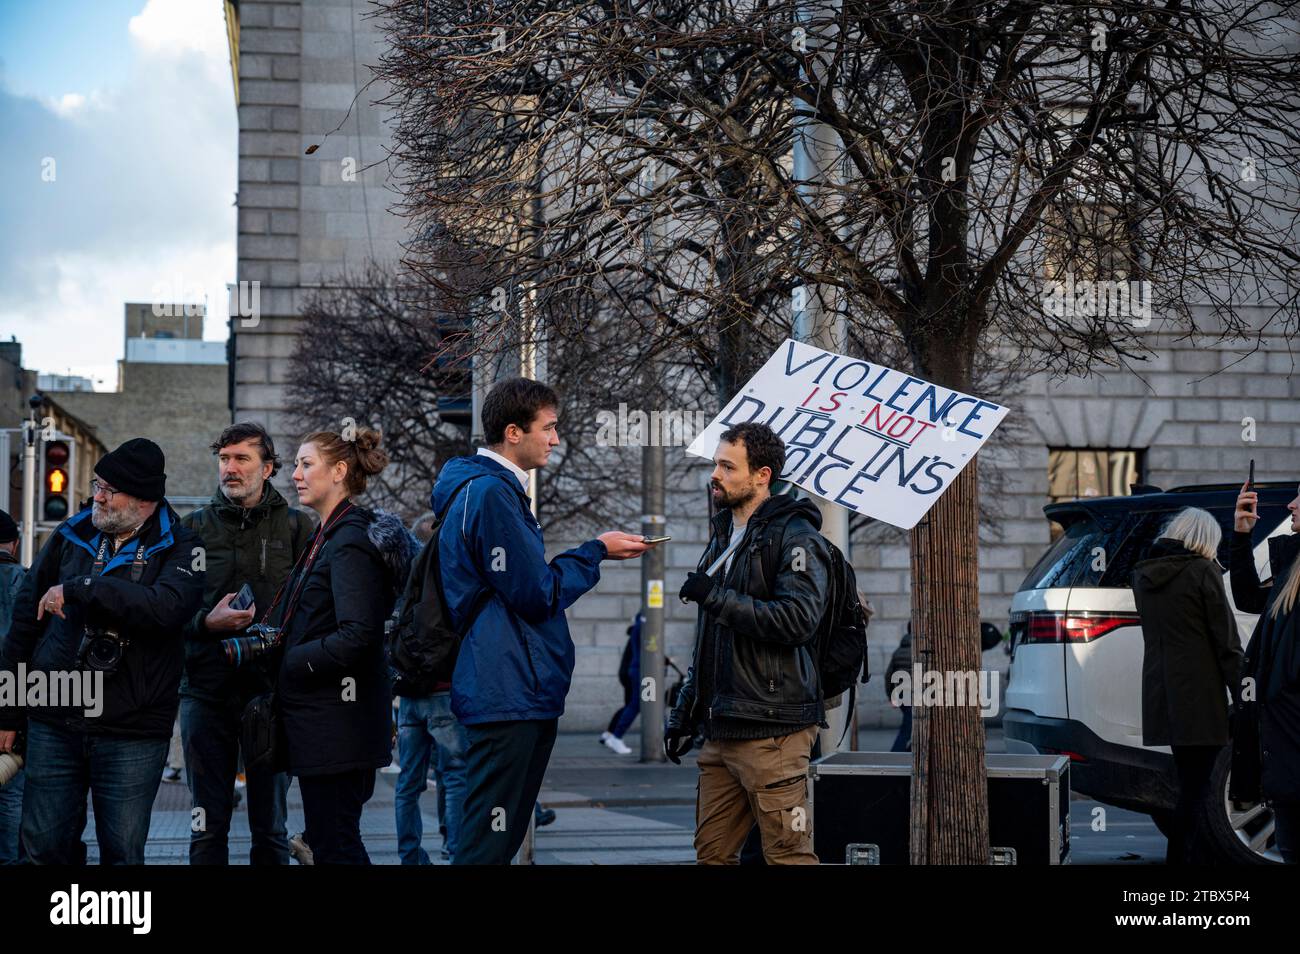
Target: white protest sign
x,y
875,440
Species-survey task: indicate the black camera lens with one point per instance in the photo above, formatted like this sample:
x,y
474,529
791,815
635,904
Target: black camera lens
x,y
101,652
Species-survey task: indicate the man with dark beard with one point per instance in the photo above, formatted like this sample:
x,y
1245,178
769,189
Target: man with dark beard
x,y
753,684
250,535
101,610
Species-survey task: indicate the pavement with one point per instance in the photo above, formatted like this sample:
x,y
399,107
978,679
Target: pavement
x,y
614,810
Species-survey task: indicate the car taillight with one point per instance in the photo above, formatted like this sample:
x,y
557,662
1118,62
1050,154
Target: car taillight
x,y
1050,627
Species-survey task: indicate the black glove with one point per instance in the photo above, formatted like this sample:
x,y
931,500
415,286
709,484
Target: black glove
x,y
697,587
678,740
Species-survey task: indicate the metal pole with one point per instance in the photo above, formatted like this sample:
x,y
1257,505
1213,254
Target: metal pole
x,y
29,490
816,316
653,524
528,369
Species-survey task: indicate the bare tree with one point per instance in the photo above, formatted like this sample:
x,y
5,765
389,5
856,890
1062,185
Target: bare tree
x,y
989,161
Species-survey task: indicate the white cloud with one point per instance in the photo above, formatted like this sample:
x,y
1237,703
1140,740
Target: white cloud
x,y
73,320
172,27
146,175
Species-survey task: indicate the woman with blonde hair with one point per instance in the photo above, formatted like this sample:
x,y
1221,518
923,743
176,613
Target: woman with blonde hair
x,y
1266,757
1191,661
334,692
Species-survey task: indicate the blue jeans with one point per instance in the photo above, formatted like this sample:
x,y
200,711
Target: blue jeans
x,y
421,723
11,816
122,776
210,732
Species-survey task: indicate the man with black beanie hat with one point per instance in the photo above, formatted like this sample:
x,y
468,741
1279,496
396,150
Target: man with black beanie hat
x,y
98,620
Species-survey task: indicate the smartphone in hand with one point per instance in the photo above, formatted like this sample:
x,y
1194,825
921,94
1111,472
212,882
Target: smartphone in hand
x,y
243,599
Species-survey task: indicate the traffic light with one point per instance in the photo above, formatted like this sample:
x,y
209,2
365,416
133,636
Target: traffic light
x,y
56,485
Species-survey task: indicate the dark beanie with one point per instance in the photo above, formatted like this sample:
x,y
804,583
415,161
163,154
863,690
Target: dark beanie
x,y
136,468
8,529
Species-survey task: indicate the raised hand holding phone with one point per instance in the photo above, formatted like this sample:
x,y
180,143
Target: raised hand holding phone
x,y
1247,512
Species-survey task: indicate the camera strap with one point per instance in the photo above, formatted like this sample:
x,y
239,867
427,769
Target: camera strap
x,y
137,563
306,559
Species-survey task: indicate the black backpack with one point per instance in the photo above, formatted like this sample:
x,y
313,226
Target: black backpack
x,y
842,633
422,644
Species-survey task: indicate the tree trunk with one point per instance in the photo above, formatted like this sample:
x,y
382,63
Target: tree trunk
x,y
949,818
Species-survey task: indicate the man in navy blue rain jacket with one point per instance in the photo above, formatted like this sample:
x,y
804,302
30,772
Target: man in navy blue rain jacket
x,y
516,661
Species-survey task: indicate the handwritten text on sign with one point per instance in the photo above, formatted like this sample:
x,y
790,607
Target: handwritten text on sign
x,y
870,438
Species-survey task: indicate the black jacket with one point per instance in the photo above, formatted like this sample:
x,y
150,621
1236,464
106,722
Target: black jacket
x,y
254,545
334,689
1191,650
141,697
759,634
1267,743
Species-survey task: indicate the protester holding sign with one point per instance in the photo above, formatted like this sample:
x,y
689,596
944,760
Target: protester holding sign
x,y
875,440
753,683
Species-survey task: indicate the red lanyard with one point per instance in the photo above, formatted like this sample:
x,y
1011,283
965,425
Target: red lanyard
x,y
310,556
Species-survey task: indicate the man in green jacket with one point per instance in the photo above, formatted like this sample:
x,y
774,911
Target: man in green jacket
x,y
250,536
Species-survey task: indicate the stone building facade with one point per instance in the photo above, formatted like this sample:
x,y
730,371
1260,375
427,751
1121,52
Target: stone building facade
x,y
172,388
1178,419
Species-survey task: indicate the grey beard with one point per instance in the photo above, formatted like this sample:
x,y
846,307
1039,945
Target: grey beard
x,y
114,523
235,493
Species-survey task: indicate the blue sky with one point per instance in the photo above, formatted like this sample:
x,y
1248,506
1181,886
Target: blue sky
x,y
120,160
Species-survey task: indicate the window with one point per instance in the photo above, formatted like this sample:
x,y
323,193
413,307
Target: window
x,y
1089,228
1066,557
1088,472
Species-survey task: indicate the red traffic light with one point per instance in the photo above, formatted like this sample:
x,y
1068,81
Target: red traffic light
x,y
56,453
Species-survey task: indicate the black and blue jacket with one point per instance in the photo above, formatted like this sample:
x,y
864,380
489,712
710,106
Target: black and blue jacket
x,y
140,699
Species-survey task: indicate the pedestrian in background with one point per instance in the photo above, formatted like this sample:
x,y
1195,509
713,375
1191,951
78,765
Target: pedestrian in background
x,y
1191,662
427,731
11,795
1267,756
901,661
333,686
629,676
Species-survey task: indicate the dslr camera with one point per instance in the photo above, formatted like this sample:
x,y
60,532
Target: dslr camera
x,y
101,650
258,640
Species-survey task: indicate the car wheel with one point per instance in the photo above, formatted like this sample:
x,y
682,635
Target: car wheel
x,y
1240,833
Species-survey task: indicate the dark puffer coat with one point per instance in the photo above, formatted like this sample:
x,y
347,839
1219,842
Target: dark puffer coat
x,y
1191,656
334,689
141,697
1266,746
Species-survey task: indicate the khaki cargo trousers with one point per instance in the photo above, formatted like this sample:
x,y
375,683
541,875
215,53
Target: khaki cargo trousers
x,y
755,780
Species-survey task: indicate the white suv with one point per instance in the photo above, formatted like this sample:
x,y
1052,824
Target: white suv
x,y
1075,686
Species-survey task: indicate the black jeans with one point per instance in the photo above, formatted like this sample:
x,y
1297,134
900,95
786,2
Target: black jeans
x,y
504,768
1187,841
210,735
331,805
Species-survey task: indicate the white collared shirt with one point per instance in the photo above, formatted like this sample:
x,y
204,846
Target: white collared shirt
x,y
520,474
